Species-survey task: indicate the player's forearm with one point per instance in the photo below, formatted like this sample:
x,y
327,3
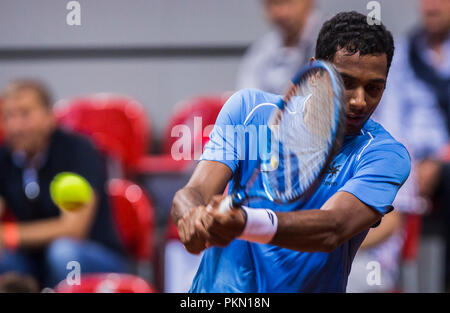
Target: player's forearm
x,y
185,198
310,230
341,217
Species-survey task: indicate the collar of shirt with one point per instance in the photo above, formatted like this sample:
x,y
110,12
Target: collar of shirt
x,y
428,55
21,161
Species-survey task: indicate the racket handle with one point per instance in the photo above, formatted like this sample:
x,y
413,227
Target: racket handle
x,y
226,205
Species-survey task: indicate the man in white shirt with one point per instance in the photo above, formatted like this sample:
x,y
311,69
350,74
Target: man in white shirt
x,y
271,62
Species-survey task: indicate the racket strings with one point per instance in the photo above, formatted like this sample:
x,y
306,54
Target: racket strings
x,y
304,132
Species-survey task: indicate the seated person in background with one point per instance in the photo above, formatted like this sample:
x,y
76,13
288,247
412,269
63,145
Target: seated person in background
x,y
416,110
43,239
271,62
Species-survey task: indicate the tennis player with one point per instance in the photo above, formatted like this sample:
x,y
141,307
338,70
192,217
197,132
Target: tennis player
x,y
306,246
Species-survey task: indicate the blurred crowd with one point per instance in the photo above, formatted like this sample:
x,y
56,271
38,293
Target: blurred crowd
x,y
111,234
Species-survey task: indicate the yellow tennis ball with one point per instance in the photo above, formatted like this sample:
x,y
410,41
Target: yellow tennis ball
x,y
274,162
70,191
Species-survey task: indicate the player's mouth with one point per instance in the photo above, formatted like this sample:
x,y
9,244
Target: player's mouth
x,y
355,119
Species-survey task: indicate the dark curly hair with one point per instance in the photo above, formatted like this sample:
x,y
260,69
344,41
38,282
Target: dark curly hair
x,y
350,30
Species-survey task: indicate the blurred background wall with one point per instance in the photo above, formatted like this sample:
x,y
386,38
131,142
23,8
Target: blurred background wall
x,y
157,51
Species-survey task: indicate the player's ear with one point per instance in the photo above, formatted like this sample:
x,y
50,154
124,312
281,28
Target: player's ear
x,y
312,59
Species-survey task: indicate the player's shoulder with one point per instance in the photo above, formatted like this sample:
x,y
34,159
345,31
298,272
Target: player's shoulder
x,y
253,97
380,152
248,103
379,140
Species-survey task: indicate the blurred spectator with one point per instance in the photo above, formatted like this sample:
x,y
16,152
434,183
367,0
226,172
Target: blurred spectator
x,y
416,110
271,62
17,283
42,239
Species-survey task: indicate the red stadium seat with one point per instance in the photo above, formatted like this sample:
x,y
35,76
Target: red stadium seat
x,y
205,107
413,223
107,283
409,269
172,231
117,124
134,216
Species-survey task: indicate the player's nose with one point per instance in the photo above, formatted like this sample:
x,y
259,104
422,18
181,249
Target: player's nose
x,y
357,100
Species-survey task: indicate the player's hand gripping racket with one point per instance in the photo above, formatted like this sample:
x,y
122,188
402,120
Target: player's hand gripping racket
x,y
307,132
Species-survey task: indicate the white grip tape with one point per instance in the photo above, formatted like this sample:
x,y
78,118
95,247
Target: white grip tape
x,y
225,205
261,225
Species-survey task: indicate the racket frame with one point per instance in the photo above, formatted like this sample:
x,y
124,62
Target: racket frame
x,y
239,196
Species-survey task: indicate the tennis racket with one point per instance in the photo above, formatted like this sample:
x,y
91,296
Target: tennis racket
x,y
306,132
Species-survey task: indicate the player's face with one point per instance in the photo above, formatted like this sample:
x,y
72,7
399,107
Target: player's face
x,y
364,79
26,121
436,15
288,15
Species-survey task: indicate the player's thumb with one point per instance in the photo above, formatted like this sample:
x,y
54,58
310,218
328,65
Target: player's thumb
x,y
213,205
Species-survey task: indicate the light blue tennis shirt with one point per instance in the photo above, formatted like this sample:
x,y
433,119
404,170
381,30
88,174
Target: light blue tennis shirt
x,y
371,165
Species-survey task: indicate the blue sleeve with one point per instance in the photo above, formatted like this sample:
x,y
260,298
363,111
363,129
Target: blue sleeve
x,y
222,142
378,175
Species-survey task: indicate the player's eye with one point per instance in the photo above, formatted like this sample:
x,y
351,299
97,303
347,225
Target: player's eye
x,y
374,90
349,83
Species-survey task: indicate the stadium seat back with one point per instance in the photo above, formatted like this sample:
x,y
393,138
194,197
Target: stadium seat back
x,y
413,226
107,283
202,110
134,216
118,125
